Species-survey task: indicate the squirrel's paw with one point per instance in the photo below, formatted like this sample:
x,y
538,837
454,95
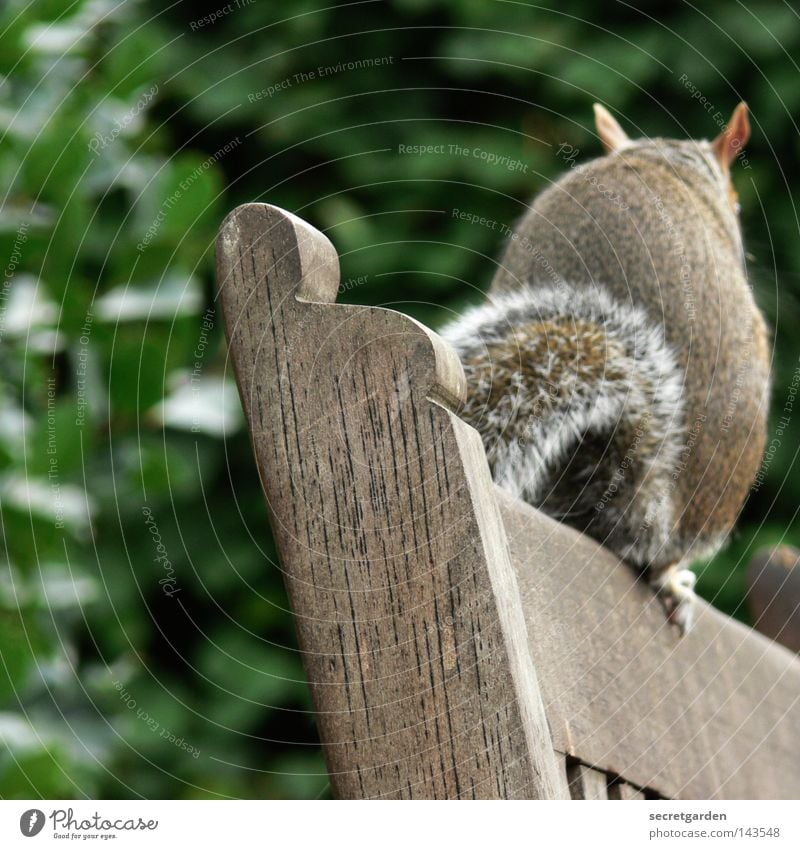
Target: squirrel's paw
x,y
675,588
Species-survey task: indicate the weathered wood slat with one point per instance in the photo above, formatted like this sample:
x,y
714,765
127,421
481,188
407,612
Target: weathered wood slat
x,y
623,790
710,715
586,783
394,553
773,579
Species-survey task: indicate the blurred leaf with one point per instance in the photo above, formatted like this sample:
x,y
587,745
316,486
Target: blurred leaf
x,y
171,297
63,504
201,404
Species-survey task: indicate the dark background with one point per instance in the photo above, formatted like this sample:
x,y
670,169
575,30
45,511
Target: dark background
x,y
123,675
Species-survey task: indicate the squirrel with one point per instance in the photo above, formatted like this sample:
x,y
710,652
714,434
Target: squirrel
x,y
618,372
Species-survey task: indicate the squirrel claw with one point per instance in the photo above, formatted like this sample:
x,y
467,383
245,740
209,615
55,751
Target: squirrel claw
x,y
675,587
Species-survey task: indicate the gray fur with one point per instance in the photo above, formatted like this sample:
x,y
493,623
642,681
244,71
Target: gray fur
x,y
554,437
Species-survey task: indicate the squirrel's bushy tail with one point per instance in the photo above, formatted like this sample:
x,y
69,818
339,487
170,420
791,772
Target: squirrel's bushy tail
x,y
578,399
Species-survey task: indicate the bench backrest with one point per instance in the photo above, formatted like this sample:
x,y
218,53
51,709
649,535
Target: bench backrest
x,y
459,643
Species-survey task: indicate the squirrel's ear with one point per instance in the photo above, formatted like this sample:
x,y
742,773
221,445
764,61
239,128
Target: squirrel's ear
x,y
611,134
729,143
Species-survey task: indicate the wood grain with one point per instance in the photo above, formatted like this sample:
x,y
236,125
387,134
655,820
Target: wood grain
x,y
773,580
713,714
393,550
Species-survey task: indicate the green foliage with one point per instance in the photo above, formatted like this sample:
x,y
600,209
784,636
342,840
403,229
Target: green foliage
x,y
145,638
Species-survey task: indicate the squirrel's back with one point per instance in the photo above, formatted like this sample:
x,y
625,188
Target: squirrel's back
x,y
636,259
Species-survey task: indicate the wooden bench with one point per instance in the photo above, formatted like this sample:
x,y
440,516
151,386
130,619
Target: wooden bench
x,y
458,643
